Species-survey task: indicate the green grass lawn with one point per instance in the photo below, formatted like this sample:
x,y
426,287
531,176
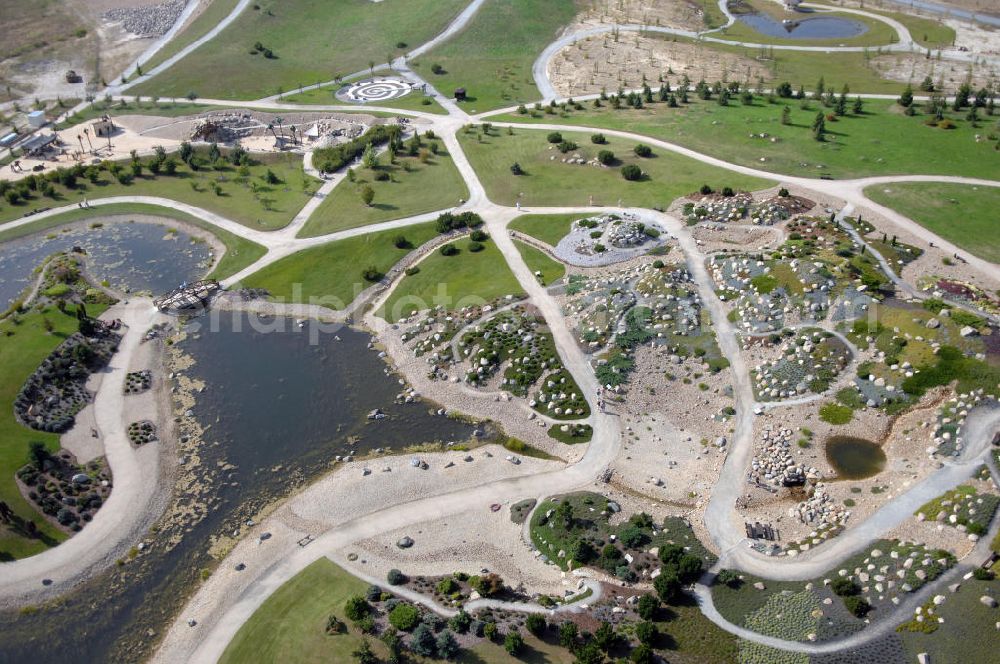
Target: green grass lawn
x,y
239,251
548,181
330,275
289,627
878,33
312,40
965,215
453,281
427,186
327,95
881,141
540,262
492,57
25,345
549,228
270,207
211,16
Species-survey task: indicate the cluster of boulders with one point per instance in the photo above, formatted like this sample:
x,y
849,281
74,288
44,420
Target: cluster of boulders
x,y
148,20
138,381
140,433
793,373
559,397
819,509
719,209
905,569
773,463
626,234
951,417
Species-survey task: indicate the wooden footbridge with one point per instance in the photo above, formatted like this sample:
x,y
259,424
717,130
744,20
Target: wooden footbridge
x,y
188,296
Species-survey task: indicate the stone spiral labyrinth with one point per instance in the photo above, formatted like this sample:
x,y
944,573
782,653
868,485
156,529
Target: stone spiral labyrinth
x,y
376,90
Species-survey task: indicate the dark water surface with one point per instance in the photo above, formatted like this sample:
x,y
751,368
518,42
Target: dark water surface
x,y
277,408
821,27
131,256
854,458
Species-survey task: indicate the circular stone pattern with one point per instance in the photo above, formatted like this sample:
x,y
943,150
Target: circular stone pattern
x,y
382,89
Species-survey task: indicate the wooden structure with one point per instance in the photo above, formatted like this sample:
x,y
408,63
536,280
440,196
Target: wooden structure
x,y
104,127
188,296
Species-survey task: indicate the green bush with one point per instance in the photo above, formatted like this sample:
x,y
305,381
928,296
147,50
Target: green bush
x,y
554,137
631,172
404,617
833,413
475,247
606,157
857,606
395,577
642,150
448,250
356,608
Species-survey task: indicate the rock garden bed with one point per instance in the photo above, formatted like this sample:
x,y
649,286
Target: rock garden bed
x,y
69,494
137,382
142,432
52,396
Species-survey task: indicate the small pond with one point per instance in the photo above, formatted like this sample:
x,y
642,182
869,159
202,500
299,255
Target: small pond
x,y
820,27
278,405
854,458
133,256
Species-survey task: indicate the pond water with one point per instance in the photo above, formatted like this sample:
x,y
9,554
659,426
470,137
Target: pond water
x,y
134,256
854,458
820,27
279,408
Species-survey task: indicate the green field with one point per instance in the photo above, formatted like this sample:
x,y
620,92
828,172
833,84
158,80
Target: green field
x,y
327,95
492,57
289,627
966,624
330,275
881,141
878,33
311,40
548,181
270,207
965,215
549,228
211,16
25,345
453,281
239,251
539,262
415,187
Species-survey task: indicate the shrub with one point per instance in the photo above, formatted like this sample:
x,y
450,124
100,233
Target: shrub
x,y
460,622
728,192
513,643
478,236
515,169
833,413
535,623
422,642
404,617
642,150
783,192
447,646
395,577
371,273
728,577
705,190
981,574
642,654
857,606
487,585
448,250
646,632
598,139
631,172
606,157
356,608
447,586
400,242
667,585
554,137
566,146
475,247
844,587
437,69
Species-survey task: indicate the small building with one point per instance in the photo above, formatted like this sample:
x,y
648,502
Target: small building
x,y
36,119
37,144
459,94
8,140
104,127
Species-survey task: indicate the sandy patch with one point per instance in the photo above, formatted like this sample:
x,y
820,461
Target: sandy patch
x,y
609,62
666,13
